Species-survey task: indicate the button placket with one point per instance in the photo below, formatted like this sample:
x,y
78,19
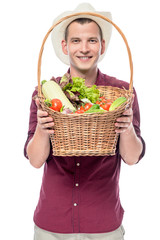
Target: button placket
x,y
76,197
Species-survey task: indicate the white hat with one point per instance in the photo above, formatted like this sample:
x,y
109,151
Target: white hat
x,y
58,32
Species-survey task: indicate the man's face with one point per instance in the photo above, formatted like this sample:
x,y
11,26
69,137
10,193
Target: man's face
x,y
84,46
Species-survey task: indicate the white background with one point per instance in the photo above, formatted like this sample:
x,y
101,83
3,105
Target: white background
x,y
23,25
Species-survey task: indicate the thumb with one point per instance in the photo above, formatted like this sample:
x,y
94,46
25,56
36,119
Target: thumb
x,y
132,100
38,103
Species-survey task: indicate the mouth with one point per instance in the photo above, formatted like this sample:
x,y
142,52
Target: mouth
x,y
84,58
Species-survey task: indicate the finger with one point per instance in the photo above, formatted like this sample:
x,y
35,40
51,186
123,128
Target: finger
x,y
122,127
48,125
132,100
120,130
37,103
124,119
122,124
45,120
41,113
128,112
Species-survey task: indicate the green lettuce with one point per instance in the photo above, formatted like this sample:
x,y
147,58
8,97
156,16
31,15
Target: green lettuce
x,y
78,86
92,93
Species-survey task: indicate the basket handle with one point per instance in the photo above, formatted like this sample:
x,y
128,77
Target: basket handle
x,y
92,14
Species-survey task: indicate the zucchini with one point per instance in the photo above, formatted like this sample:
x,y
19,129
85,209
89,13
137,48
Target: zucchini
x,y
51,90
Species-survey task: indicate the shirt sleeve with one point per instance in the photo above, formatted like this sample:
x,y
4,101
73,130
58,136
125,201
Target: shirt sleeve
x,y
136,122
32,122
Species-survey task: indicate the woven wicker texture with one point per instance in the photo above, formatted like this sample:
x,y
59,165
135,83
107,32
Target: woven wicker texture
x,y
91,134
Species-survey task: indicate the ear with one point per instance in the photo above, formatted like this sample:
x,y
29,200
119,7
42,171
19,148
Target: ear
x,y
102,46
64,47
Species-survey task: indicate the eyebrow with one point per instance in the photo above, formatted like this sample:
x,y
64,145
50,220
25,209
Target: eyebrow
x,y
96,38
77,38
73,38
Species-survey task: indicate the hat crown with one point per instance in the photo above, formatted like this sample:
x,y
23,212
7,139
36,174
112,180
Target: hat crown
x,y
84,7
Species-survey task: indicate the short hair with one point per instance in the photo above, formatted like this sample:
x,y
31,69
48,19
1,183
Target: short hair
x,y
82,21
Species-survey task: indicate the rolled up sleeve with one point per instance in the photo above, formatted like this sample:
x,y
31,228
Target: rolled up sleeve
x,y
32,122
136,123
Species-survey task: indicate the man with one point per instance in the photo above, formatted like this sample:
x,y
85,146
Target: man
x,y
79,197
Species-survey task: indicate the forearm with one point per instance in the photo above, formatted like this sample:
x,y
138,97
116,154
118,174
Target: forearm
x,y
130,146
38,148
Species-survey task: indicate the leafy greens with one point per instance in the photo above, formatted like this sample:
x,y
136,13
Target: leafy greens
x,y
77,87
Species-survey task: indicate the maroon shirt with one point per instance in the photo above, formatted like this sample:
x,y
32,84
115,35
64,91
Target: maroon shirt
x,y
81,194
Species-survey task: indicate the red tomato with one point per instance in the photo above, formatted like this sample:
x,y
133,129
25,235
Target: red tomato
x,y
79,111
81,108
109,100
98,102
87,106
106,106
102,97
101,101
56,104
104,100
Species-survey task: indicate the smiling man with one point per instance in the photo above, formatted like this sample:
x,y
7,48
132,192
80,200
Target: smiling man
x,y
79,197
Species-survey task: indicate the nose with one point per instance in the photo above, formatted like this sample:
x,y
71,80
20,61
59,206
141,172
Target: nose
x,y
84,47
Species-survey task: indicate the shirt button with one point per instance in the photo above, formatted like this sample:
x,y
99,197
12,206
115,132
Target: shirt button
x,y
75,204
77,184
78,164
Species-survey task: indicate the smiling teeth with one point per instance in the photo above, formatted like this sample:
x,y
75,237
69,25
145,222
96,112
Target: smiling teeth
x,y
84,57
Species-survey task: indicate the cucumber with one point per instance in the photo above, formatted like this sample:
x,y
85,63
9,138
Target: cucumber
x,y
119,101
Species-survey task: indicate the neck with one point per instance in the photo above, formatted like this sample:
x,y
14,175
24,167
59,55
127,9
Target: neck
x,y
90,76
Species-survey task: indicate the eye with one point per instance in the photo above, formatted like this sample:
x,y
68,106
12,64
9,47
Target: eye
x,y
93,40
75,40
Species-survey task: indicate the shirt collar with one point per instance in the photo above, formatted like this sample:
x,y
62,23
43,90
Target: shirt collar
x,y
99,79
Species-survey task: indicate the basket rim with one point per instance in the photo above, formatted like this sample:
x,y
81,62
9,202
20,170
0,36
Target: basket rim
x,y
122,106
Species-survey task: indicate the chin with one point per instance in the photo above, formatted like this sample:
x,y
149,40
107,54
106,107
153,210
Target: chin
x,y
83,70
85,67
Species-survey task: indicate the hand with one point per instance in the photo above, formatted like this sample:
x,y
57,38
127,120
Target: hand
x,y
125,122
45,123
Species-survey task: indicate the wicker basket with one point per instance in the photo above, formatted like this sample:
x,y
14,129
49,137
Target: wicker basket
x,y
91,134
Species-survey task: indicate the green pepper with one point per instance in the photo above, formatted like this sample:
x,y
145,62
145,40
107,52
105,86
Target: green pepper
x,y
94,106
48,102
